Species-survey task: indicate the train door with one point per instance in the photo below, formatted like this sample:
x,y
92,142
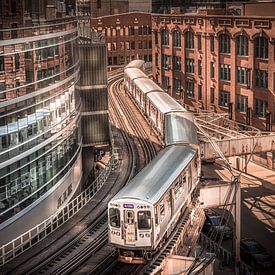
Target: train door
x,y
130,227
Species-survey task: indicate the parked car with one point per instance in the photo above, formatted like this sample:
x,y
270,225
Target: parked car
x,y
214,222
255,254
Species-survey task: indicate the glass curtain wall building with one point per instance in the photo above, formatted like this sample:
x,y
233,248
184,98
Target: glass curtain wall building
x,y
40,139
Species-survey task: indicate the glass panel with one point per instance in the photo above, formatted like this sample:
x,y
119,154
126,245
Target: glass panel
x,y
114,217
144,220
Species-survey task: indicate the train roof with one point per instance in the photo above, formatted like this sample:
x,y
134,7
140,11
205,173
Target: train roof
x,y
138,63
164,102
147,85
180,128
152,182
135,73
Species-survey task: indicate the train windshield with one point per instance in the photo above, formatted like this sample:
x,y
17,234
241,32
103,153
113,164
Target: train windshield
x,y
114,217
144,220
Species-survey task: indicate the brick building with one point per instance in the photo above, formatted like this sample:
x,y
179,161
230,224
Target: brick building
x,y
128,36
219,63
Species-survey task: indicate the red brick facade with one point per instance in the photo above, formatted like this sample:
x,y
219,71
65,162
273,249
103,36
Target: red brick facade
x,y
128,36
259,103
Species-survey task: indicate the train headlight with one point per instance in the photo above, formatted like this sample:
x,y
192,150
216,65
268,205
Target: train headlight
x,y
117,233
141,235
147,235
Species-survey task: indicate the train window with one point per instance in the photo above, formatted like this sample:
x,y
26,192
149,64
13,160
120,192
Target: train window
x,y
114,217
130,217
162,210
189,178
144,220
178,187
168,200
196,162
156,216
183,181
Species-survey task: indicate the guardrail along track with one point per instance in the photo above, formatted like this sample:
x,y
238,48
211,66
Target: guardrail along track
x,y
74,254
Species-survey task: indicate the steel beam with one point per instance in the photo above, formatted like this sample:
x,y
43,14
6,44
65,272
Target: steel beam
x,y
239,146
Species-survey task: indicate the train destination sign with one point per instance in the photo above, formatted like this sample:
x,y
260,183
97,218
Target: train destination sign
x,y
128,205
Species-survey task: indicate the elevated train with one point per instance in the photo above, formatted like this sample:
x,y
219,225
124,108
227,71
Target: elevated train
x,y
146,210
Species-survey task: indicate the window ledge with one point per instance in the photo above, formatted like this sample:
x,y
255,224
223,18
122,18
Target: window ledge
x,y
242,56
243,85
226,81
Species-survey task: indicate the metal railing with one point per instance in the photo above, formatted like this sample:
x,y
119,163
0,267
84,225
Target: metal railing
x,y
31,237
225,255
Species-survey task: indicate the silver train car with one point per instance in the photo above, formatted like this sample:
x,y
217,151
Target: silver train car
x,y
137,63
146,210
130,74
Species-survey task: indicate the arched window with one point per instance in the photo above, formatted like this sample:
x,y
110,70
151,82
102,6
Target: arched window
x,y
176,37
165,37
189,40
224,43
242,45
261,47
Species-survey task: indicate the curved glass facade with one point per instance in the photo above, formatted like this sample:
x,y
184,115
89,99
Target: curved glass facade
x,y
40,138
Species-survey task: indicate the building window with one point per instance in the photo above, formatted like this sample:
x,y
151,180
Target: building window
x,y
199,42
199,92
177,63
242,45
212,70
140,45
2,63
190,89
261,79
165,61
165,37
212,95
2,88
224,43
1,31
242,75
98,4
241,103
224,98
16,61
157,59
14,30
132,31
176,37
177,86
212,43
225,72
145,30
189,65
156,37
199,67
260,107
139,30
165,83
189,40
133,45
261,47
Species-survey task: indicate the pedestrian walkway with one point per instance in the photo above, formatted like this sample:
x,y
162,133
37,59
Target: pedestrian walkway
x,y
256,174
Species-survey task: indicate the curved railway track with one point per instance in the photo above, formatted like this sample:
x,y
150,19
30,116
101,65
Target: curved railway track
x,y
94,236
130,112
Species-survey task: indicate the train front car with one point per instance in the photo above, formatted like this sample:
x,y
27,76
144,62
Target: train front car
x,y
131,229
